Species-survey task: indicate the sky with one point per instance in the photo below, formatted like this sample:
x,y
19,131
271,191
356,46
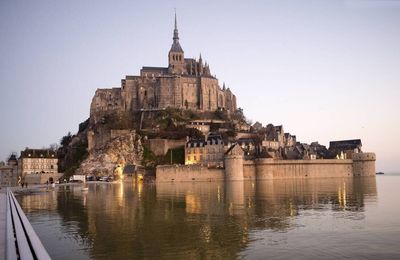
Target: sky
x,y
325,70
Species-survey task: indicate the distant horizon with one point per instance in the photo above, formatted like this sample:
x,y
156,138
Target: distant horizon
x,y
325,71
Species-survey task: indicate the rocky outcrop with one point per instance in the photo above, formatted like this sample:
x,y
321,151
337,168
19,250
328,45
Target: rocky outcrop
x,y
73,150
121,150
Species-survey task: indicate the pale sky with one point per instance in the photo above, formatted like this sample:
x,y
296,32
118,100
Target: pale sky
x,y
326,70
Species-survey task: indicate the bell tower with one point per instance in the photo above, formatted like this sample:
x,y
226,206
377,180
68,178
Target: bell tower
x,y
176,58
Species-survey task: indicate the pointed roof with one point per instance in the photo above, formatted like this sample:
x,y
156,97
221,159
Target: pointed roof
x,y
235,150
176,47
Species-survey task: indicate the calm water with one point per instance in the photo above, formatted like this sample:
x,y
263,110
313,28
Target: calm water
x,y
296,219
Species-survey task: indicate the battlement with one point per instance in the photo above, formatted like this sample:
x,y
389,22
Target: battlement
x,y
364,164
364,157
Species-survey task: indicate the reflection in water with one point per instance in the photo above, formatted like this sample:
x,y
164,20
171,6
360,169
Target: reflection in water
x,y
184,220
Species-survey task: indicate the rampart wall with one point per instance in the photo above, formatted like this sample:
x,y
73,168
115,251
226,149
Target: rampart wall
x,y
364,164
266,169
178,173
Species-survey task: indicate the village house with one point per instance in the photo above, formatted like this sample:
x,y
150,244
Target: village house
x,y
35,161
208,151
345,149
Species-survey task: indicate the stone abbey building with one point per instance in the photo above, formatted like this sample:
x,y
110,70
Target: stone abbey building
x,y
185,84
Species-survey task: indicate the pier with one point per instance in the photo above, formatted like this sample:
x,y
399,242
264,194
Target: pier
x,y
18,240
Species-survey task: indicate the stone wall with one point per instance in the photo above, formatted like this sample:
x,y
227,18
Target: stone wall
x,y
162,91
364,164
249,170
98,138
267,169
160,147
286,169
8,175
41,178
182,173
106,100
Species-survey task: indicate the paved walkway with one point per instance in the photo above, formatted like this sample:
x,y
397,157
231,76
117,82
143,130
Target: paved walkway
x,y
3,209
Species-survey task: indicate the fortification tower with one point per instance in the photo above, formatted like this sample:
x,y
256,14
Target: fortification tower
x,y
176,57
364,164
234,164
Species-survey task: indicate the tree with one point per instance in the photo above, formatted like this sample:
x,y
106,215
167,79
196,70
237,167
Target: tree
x,y
65,140
220,114
54,147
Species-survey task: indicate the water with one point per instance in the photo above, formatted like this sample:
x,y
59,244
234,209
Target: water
x,y
292,219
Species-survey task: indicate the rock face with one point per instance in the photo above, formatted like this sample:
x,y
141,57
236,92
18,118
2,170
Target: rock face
x,y
121,150
73,149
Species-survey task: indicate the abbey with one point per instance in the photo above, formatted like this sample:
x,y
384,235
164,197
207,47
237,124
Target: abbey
x,y
186,84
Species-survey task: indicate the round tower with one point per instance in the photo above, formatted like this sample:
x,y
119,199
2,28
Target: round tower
x,y
364,164
234,164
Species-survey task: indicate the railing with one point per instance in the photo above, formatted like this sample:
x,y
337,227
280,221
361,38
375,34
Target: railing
x,y
21,241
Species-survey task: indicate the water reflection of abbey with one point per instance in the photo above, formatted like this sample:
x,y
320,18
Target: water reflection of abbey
x,y
204,219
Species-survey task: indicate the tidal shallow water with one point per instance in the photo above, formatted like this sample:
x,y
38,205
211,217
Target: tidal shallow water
x,y
335,218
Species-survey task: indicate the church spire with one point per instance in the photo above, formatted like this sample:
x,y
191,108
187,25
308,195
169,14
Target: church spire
x,y
176,47
176,57
176,34
176,27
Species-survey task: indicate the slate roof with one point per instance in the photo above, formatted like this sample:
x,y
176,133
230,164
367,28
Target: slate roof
x,y
196,143
38,153
155,68
345,144
176,47
214,137
235,149
201,142
12,157
278,128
